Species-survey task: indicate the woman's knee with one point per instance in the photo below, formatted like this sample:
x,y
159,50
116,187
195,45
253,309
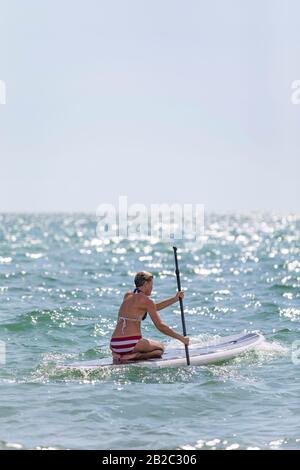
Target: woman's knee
x,y
161,346
146,345
159,352
157,345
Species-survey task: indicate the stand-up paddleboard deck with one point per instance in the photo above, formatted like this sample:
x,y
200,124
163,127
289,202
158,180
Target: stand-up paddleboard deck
x,y
216,350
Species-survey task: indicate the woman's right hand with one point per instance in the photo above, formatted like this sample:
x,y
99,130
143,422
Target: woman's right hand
x,y
185,340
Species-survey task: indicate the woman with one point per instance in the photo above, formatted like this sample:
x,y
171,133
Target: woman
x,y
127,343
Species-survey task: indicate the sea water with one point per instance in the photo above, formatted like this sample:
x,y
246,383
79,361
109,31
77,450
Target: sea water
x,y
60,290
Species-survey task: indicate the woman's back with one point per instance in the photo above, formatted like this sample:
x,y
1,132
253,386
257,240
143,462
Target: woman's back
x,y
131,313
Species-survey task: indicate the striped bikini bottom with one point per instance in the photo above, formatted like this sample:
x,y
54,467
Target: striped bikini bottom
x,y
124,345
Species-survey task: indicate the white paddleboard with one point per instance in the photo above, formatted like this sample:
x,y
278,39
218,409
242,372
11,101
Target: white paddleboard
x,y
216,350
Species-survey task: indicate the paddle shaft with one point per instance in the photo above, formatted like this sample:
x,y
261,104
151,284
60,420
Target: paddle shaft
x,y
181,304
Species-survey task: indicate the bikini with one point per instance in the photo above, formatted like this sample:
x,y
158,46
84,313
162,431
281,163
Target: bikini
x,y
126,344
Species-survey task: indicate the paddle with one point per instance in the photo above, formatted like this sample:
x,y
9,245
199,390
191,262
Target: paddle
x,y
181,304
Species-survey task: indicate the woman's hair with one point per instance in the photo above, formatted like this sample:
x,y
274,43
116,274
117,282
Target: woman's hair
x,y
141,278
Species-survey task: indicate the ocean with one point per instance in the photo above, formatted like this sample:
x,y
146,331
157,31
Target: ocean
x,y
60,290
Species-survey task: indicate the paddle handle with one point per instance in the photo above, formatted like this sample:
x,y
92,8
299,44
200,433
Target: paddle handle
x,y
181,304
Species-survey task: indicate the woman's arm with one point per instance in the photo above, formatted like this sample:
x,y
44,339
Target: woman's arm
x,y
172,300
165,329
165,303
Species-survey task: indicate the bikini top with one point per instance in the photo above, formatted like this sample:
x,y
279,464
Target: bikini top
x,y
136,291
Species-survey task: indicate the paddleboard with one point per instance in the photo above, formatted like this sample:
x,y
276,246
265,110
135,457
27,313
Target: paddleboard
x,y
213,351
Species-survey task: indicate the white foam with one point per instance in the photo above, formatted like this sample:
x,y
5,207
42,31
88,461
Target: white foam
x,y
13,445
233,447
200,339
272,347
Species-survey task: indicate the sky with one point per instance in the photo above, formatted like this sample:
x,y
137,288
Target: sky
x,y
162,101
